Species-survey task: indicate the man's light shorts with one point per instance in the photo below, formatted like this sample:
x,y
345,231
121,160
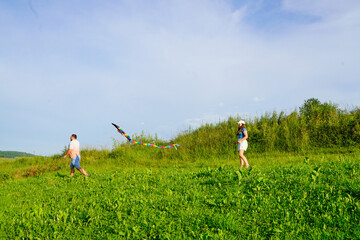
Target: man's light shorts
x,y
75,162
243,145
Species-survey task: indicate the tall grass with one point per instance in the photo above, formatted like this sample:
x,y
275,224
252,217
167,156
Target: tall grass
x,y
315,126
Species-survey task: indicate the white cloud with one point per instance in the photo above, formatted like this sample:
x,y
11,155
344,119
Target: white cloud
x,y
205,118
258,99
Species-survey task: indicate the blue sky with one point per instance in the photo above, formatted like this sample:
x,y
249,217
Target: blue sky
x,y
162,66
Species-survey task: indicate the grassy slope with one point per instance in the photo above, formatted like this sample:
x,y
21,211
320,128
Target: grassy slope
x,y
317,198
137,158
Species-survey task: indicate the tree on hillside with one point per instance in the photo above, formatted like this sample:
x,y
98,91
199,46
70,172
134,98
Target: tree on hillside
x,y
315,110
309,106
323,122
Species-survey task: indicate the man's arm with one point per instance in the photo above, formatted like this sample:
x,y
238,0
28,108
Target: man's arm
x,y
67,153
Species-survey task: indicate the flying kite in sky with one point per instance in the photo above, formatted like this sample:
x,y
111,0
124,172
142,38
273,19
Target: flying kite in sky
x,y
145,144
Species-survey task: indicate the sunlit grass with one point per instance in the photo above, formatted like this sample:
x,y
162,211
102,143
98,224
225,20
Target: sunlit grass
x,y
288,197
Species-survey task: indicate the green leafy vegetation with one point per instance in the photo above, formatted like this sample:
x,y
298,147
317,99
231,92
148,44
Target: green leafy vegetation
x,y
315,126
14,154
304,184
316,198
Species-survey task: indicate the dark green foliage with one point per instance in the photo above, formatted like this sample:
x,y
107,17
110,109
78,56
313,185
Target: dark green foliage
x,y
310,108
14,154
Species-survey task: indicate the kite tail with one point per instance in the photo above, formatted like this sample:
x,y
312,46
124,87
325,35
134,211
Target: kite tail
x,y
144,144
122,132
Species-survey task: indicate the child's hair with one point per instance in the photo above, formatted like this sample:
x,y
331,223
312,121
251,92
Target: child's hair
x,y
240,129
74,136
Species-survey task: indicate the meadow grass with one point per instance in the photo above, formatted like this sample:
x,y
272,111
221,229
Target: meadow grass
x,y
129,157
282,196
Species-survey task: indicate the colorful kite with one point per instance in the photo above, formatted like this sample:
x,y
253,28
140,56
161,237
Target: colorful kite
x,y
145,144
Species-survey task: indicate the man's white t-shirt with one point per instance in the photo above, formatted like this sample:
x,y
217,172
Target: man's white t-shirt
x,y
75,148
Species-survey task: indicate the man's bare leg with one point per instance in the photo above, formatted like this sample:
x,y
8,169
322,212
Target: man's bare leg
x,y
72,171
83,171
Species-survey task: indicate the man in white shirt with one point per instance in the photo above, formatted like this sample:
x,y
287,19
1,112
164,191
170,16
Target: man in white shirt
x,y
74,153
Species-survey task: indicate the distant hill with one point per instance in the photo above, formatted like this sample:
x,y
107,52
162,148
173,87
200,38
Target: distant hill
x,y
14,154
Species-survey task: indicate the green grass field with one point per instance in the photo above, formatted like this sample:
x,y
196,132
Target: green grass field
x,y
283,196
